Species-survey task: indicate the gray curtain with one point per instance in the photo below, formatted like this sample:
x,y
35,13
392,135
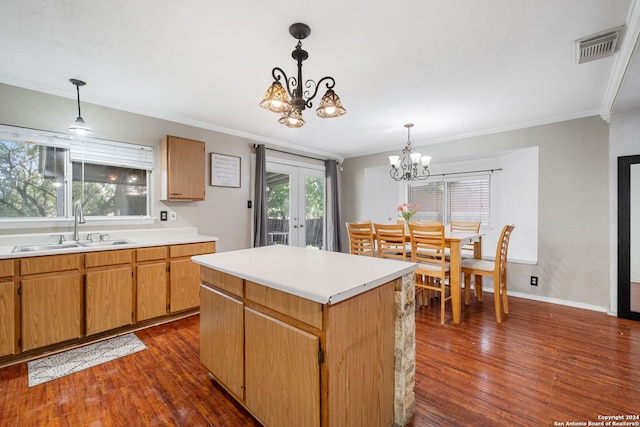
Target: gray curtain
x,y
333,210
260,198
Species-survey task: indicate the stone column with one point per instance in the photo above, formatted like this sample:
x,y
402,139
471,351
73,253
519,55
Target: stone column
x,y
405,350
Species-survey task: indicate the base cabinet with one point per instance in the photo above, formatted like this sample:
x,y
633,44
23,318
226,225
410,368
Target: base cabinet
x,y
109,299
304,363
51,310
49,299
151,283
8,306
109,290
284,359
222,339
184,275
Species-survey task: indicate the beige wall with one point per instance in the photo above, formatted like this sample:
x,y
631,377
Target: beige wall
x,y
573,264
224,211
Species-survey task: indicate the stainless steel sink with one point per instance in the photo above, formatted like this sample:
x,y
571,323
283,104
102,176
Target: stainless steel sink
x,y
67,245
44,247
102,243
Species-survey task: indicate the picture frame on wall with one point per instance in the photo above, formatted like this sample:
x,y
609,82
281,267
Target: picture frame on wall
x,y
225,170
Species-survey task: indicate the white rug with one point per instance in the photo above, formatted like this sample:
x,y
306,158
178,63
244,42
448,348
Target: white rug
x,y
61,364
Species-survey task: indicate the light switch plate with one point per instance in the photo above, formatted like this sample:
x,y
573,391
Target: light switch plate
x,y
173,216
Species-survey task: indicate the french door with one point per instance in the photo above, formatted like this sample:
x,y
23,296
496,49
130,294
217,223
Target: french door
x,y
295,205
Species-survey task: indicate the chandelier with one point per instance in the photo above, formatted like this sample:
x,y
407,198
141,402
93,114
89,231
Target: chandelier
x,y
292,101
413,164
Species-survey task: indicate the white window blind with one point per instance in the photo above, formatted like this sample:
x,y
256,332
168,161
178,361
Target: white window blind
x,y
430,200
466,199
112,153
88,150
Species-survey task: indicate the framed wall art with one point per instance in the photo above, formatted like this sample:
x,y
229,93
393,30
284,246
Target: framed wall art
x,y
225,170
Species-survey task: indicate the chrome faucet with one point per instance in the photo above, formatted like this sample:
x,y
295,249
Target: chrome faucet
x,y
78,218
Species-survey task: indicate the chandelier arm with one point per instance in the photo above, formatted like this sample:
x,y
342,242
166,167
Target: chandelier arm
x,y
395,174
284,77
330,83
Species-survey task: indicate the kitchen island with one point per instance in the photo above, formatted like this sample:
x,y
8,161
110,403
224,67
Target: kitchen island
x,y
306,337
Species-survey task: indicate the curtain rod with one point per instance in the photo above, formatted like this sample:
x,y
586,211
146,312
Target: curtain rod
x,y
460,173
292,154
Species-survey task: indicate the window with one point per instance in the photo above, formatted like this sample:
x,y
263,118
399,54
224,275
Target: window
x,y
42,174
465,199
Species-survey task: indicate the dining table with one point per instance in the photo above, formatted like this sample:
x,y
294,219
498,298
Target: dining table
x,y
455,240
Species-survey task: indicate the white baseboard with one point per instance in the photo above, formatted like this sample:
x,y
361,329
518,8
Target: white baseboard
x,y
557,301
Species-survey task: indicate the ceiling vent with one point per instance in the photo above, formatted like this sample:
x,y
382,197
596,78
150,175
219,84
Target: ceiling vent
x,y
597,46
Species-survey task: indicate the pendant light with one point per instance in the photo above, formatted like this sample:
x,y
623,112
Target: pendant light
x,y
79,127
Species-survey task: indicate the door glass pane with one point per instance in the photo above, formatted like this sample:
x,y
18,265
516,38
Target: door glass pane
x,y
314,212
278,196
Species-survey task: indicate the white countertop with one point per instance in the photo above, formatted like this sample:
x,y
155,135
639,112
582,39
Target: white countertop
x,y
321,276
140,238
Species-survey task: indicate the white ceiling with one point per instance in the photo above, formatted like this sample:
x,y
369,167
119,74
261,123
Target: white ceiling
x,y
454,68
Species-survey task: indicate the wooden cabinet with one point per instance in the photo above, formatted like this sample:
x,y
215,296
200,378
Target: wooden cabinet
x,y
182,169
45,300
222,339
184,275
109,290
8,308
292,361
282,358
151,282
51,308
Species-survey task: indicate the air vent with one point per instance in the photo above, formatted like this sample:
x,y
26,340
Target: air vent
x,y
597,46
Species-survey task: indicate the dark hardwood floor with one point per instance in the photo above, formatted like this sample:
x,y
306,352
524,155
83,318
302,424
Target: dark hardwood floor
x,y
544,364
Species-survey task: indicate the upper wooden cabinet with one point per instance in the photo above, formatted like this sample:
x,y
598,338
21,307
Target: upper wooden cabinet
x,y
182,169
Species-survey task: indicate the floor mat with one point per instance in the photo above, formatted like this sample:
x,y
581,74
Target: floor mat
x,y
61,364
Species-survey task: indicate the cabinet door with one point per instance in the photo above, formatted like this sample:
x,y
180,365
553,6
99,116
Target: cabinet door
x,y
51,310
185,169
184,277
7,318
151,291
282,372
222,339
109,299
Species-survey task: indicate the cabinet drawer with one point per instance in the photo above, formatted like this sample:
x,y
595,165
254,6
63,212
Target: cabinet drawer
x,y
49,264
191,249
304,310
6,268
220,280
149,254
97,259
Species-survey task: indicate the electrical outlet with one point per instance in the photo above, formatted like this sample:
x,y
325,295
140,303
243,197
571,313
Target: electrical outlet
x,y
534,280
163,215
173,216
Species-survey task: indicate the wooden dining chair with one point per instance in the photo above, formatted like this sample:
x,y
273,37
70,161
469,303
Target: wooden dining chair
x,y
390,239
497,269
361,240
466,251
427,249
